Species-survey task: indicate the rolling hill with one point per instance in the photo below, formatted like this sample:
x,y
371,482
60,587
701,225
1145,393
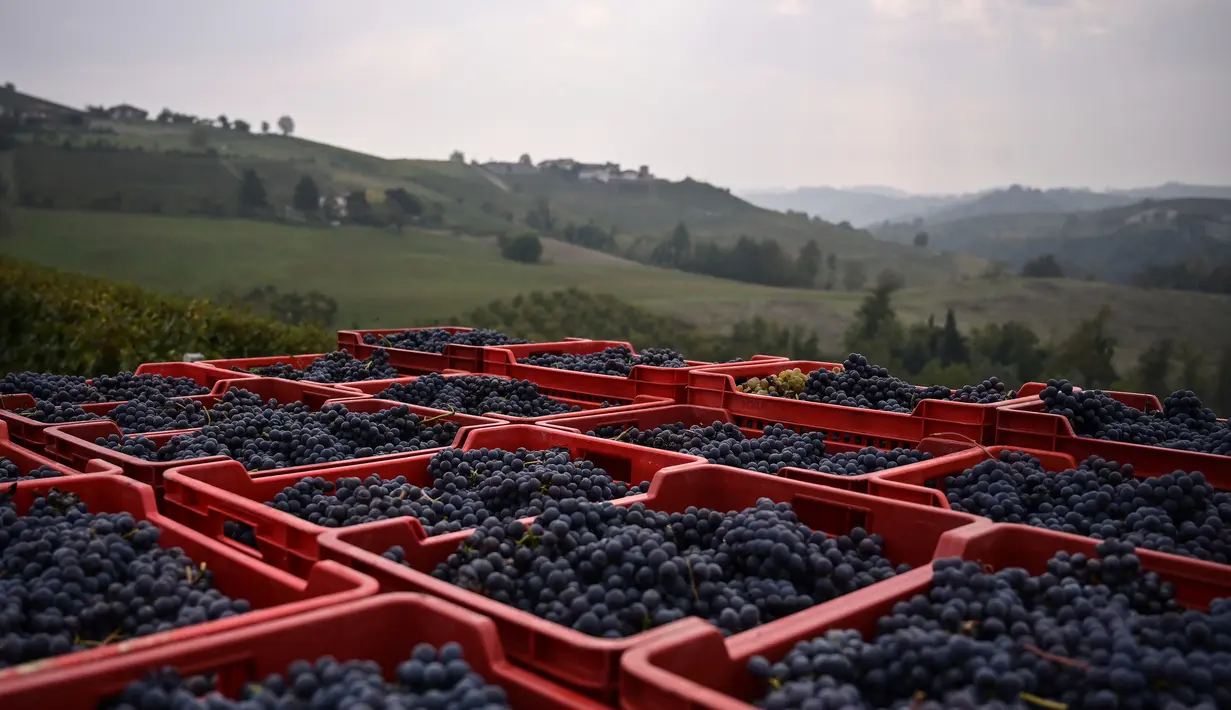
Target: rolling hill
x,y
162,168
1113,244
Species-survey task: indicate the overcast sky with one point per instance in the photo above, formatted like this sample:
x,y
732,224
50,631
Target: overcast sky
x,y
925,95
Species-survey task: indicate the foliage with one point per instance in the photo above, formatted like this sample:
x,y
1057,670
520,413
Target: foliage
x,y
551,316
526,248
539,217
1088,351
242,126
313,308
1153,366
1012,344
264,126
748,260
1197,276
57,322
286,124
590,236
853,276
1043,267
921,239
307,195
252,196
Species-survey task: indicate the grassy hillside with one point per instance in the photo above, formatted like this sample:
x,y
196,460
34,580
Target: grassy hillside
x,y
474,200
384,279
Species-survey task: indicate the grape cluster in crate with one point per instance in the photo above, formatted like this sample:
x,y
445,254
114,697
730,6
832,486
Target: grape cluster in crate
x,y
486,522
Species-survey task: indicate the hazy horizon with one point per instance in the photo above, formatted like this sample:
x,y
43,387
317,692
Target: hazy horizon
x,y
926,96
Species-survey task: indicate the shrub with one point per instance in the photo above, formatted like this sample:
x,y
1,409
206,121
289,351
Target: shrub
x,y
58,322
526,248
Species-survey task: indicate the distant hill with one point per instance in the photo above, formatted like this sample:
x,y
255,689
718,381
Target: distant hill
x,y
1112,244
861,206
873,206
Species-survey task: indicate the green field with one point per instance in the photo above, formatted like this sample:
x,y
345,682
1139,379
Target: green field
x,y
383,279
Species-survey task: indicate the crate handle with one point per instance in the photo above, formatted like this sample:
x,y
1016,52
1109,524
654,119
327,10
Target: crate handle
x,y
956,435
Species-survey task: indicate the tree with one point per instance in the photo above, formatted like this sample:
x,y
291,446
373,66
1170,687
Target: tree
x,y
199,137
874,319
307,195
832,262
675,251
1012,344
410,205
921,239
952,347
1153,366
854,278
1089,350
525,247
808,264
1043,267
223,122
1222,385
252,196
264,126
457,156
540,218
525,159
165,116
242,126
892,278
358,210
286,124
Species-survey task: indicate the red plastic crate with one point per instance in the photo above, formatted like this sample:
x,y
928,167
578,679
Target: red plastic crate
x,y
28,461
710,387
665,382
298,362
651,417
273,593
32,434
591,664
584,402
1026,425
74,443
696,669
924,484
206,496
384,629
467,358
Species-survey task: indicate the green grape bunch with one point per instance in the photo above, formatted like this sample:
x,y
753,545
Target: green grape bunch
x,y
788,383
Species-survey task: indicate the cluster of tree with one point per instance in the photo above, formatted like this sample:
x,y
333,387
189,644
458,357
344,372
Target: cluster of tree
x,y
749,260
589,235
1043,267
313,308
1201,277
927,353
286,124
398,207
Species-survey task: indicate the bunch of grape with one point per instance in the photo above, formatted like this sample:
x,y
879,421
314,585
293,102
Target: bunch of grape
x,y
1184,423
10,472
434,340
788,383
865,386
71,579
265,435
333,368
618,361
1089,634
467,488
778,447
476,394
71,389
614,572
430,678
1178,513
